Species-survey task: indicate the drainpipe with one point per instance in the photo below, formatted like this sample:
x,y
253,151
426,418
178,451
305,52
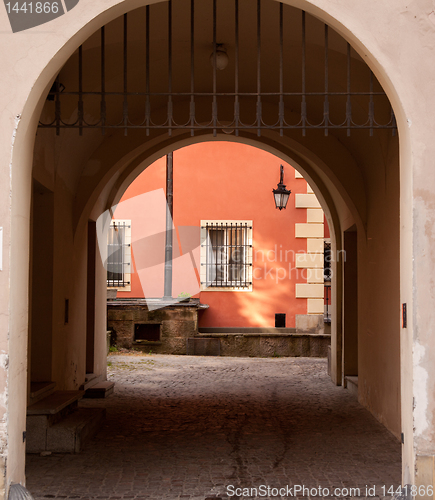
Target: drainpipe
x,y
169,225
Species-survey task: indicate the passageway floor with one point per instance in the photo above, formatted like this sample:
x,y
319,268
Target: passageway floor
x,y
197,428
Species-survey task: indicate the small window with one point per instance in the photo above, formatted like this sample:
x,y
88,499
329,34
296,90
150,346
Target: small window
x,y
119,254
147,332
279,320
226,255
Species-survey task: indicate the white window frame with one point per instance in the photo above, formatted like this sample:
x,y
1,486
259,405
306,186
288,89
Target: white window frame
x,y
127,262
206,286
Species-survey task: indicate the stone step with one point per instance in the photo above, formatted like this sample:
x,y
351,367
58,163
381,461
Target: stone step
x,y
40,390
90,380
46,413
55,403
89,377
100,390
70,435
351,384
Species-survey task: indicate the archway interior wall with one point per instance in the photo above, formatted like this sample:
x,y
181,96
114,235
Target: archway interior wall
x,y
14,354
59,168
379,291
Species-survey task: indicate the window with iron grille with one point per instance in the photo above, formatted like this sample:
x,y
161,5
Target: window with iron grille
x,y
226,255
118,263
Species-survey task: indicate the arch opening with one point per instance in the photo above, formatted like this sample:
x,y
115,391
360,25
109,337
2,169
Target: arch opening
x,y
136,433
80,176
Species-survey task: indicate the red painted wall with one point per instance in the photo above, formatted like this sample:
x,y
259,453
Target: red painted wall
x,y
215,181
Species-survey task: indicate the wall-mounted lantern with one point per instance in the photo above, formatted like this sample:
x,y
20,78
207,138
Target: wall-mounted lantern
x,y
281,194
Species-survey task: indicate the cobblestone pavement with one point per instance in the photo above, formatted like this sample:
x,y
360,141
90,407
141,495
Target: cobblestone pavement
x,y
184,427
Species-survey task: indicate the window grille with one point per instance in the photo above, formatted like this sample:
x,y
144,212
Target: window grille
x,y
327,261
118,266
228,255
327,304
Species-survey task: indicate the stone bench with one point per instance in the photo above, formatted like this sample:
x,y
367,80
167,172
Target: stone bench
x,y
55,403
40,390
56,424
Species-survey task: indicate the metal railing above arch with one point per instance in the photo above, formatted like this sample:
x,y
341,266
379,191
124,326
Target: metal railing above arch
x,y
297,101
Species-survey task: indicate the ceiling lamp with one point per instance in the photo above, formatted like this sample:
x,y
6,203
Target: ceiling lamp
x,y
221,57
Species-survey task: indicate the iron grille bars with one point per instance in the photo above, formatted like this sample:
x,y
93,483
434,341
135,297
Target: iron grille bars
x,y
103,81
259,119
281,70
147,69
170,120
192,67
236,69
327,304
278,99
228,260
125,63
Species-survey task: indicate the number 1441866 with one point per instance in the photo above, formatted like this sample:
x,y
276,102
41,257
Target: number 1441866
x,y
33,7
408,490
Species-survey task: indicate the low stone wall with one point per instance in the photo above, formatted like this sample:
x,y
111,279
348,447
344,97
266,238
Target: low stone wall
x,y
177,321
270,345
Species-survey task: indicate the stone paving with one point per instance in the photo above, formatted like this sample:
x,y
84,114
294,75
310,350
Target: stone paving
x,y
197,428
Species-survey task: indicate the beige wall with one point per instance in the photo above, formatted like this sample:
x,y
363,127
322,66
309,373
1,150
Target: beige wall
x,y
357,183
379,306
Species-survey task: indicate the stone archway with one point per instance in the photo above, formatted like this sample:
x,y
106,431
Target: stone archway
x,y
21,161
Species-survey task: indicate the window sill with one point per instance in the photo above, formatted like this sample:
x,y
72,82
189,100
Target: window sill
x,y
146,342
225,289
120,288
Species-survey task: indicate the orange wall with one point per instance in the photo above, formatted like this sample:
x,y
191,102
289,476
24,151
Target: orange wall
x,y
215,181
